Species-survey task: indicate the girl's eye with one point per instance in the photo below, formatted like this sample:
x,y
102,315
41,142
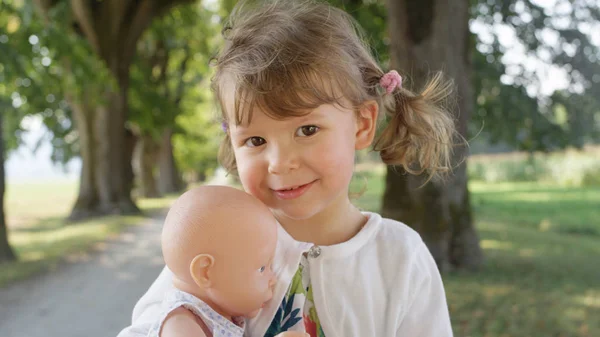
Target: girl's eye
x,y
307,130
255,141
262,269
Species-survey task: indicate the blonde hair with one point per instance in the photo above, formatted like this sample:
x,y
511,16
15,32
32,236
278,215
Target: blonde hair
x,y
289,57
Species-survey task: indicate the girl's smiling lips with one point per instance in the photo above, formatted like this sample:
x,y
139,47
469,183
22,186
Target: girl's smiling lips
x,y
293,191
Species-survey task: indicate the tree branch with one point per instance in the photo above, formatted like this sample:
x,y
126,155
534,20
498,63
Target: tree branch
x,y
117,11
84,17
145,12
133,29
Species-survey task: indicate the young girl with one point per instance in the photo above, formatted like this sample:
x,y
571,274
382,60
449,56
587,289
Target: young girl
x,y
299,94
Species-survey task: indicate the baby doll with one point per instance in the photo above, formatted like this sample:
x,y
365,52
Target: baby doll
x,y
219,243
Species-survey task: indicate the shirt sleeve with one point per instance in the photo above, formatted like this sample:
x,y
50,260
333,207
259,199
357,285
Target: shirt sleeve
x,y
147,310
427,312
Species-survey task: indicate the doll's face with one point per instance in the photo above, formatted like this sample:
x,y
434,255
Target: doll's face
x,y
242,278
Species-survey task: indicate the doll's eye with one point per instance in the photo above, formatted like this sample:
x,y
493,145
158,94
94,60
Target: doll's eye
x,y
262,269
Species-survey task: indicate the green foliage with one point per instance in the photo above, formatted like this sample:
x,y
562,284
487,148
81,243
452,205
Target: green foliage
x,y
196,146
591,177
506,113
41,60
569,168
510,103
170,67
170,79
507,170
372,18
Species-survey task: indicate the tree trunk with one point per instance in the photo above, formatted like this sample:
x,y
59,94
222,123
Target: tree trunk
x,y
88,198
106,150
145,158
112,28
429,36
169,180
6,252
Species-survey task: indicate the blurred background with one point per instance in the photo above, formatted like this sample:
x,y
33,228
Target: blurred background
x,y
106,116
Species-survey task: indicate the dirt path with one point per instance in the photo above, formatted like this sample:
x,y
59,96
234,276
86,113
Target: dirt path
x,y
92,297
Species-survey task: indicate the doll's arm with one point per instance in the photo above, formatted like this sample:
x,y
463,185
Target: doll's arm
x,y
147,310
427,314
182,323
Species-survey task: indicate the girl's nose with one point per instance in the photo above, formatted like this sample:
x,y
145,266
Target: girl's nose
x,y
282,160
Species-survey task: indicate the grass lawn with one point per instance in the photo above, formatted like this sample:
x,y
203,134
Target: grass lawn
x,y
39,234
542,270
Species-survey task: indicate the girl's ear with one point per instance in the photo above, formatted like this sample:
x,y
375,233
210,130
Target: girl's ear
x,y
200,270
366,124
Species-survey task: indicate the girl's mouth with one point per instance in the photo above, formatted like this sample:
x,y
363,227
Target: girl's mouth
x,y
293,191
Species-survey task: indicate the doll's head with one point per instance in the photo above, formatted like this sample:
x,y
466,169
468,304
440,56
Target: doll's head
x,y
219,243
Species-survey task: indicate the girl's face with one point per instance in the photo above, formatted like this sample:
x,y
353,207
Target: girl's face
x,y
301,166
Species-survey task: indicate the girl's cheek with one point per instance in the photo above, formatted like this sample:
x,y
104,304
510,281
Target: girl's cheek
x,y
250,173
254,192
249,182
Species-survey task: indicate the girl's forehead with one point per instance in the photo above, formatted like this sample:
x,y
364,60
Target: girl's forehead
x,y
322,114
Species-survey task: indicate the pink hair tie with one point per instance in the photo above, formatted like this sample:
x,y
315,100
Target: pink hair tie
x,y
390,81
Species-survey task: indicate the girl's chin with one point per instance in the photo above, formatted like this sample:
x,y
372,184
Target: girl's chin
x,y
295,215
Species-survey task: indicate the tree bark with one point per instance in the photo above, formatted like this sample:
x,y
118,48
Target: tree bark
x,y
88,197
106,175
428,36
145,157
169,180
6,252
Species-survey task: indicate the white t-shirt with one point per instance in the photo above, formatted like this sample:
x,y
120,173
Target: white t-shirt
x,y
382,282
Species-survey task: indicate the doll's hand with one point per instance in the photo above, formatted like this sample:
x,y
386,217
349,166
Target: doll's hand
x,y
293,334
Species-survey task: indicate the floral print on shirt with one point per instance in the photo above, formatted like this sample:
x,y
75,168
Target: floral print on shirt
x,y
297,311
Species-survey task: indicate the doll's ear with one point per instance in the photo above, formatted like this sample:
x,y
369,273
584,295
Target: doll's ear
x,y
200,269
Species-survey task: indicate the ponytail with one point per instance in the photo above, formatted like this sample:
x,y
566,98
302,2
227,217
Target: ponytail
x,y
420,131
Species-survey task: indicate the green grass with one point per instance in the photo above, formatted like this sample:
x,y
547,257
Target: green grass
x,y
542,250
40,235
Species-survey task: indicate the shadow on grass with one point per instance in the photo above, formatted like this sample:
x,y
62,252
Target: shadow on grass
x,y
42,225
566,210
533,284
